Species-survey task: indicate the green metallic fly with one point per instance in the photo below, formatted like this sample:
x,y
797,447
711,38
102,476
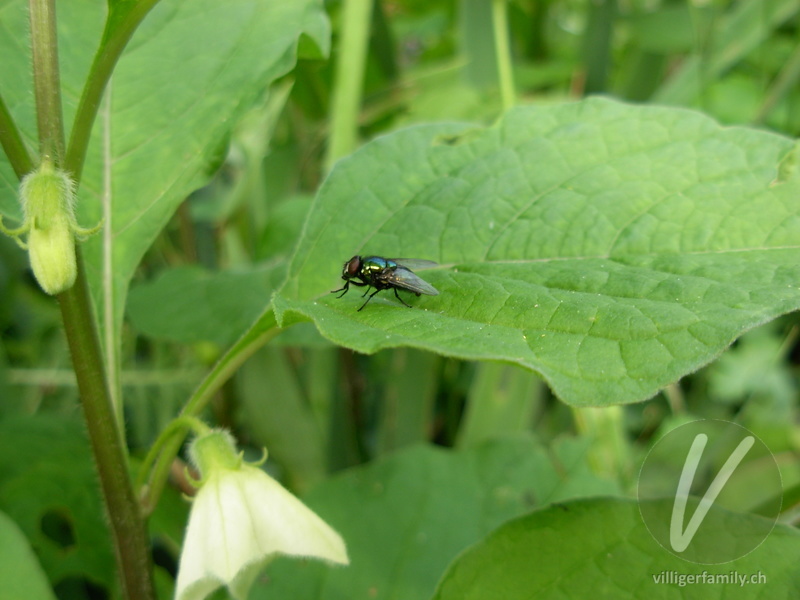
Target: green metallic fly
x,y
385,274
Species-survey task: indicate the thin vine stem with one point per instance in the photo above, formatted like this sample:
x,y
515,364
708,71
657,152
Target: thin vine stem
x,y
126,519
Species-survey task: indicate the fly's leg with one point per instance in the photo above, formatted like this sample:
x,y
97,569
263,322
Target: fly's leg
x,y
401,300
347,287
342,289
368,299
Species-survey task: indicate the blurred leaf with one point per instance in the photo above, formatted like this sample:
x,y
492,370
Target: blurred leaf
x,y
21,575
190,304
48,486
743,29
611,248
441,93
754,367
734,99
417,509
283,227
669,28
277,416
600,548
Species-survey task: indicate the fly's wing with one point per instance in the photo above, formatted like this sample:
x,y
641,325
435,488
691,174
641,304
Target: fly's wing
x,y
407,280
415,264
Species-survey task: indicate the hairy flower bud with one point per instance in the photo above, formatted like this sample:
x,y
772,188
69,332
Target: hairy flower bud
x,y
47,196
52,254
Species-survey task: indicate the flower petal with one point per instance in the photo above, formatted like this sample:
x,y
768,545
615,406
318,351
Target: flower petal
x,y
240,519
284,524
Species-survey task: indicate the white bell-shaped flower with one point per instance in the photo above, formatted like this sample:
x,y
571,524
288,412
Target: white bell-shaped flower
x,y
240,519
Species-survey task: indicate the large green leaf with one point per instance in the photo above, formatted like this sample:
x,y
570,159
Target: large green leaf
x,y
405,517
188,73
600,548
21,575
612,248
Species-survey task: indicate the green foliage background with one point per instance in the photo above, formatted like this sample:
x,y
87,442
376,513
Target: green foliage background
x,y
636,253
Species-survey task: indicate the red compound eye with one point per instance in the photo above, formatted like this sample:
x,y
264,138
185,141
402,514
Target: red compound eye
x,y
352,266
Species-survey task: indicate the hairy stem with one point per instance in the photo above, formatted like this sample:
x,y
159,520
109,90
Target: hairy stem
x,y
126,519
46,79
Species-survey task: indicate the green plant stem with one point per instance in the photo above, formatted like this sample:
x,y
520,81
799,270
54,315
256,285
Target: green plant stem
x,y
503,52
348,85
264,330
123,19
46,80
126,519
127,523
13,146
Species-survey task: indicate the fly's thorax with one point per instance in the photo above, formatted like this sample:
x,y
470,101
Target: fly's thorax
x,y
376,264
